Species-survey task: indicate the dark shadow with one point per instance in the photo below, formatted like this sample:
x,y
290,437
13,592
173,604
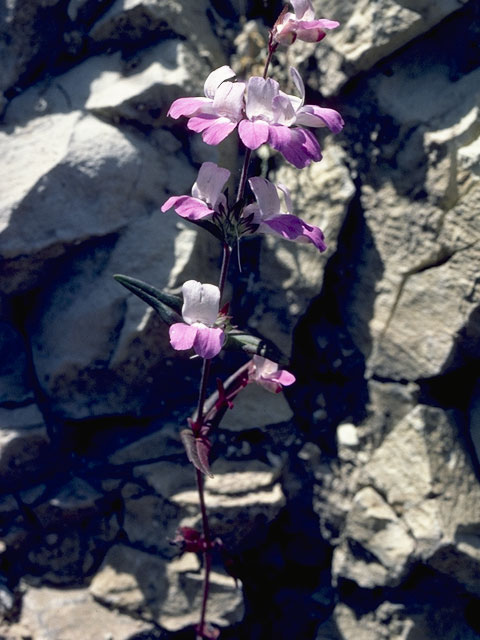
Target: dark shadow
x,y
327,359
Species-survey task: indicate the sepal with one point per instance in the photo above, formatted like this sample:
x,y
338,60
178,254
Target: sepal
x,y
209,226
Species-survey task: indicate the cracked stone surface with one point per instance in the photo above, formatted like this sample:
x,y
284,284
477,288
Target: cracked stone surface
x,y
349,507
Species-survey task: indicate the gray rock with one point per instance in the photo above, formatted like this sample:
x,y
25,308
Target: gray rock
x,y
241,497
373,527
76,501
57,614
144,17
24,445
291,274
146,586
15,387
150,522
257,408
369,31
439,497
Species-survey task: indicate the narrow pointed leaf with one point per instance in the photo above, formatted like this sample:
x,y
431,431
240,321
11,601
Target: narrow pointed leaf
x,y
254,346
168,306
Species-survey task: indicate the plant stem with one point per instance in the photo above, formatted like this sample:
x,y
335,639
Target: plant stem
x,y
202,393
206,554
227,251
272,47
244,174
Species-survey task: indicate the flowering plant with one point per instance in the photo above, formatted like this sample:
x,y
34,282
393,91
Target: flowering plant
x,y
262,114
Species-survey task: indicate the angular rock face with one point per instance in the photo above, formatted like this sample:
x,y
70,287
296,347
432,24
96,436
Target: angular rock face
x,y
352,511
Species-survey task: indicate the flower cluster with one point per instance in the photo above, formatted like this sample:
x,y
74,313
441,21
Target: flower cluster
x,y
263,113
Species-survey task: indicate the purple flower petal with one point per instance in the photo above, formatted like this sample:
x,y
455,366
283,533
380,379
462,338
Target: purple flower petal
x,y
208,341
283,377
297,145
209,183
187,207
253,134
313,116
266,195
292,228
260,95
187,106
182,336
303,9
229,100
314,30
214,129
266,373
284,109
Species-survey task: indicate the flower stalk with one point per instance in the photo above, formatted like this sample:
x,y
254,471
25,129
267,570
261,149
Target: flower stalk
x,y
261,113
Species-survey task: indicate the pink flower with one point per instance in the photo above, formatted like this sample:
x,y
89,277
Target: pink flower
x,y
301,24
274,117
268,215
207,196
216,115
266,373
200,311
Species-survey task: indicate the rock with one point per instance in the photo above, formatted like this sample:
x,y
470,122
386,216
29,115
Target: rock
x,y
441,617
137,91
374,531
132,581
291,274
258,408
439,499
7,601
144,19
117,360
369,31
415,335
474,422
57,614
239,498
150,521
86,155
347,435
76,501
167,478
15,387
170,594
24,446
155,445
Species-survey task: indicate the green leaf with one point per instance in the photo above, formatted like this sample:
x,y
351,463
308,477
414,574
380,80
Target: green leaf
x,y
168,306
254,346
